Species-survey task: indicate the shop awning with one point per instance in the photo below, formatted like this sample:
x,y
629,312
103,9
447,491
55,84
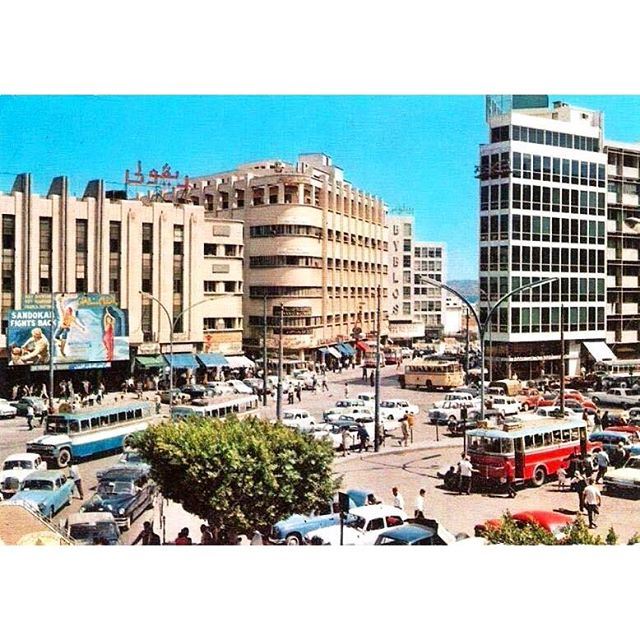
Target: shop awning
x,y
363,346
323,350
346,349
238,362
182,360
212,359
599,351
151,362
334,352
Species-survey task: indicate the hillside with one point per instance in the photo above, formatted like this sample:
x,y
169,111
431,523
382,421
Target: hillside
x,y
468,288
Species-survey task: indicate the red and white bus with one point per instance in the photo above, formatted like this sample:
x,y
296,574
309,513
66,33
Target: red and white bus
x,y
536,451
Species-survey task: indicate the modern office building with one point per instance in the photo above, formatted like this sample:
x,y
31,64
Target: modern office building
x,y
313,243
623,249
543,214
189,261
429,262
404,325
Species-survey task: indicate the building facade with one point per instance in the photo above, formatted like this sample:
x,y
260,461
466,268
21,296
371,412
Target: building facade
x,y
192,264
313,243
429,262
543,214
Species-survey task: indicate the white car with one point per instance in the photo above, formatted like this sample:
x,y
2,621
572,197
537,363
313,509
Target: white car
x,y
458,396
405,352
7,410
363,526
397,409
16,468
504,405
238,386
298,419
369,399
451,411
626,478
619,396
331,415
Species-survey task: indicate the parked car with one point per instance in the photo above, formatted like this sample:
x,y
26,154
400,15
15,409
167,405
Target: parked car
x,y
458,396
369,399
38,404
129,458
364,526
292,530
553,411
406,352
504,405
609,440
552,521
451,412
330,415
632,430
618,396
237,386
126,492
624,479
529,399
87,528
299,419
257,385
194,390
397,409
16,468
471,390
7,410
634,413
178,396
47,491
422,532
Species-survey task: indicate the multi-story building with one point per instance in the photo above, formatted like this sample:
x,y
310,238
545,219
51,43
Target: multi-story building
x,y
429,262
173,252
313,243
543,214
404,326
623,249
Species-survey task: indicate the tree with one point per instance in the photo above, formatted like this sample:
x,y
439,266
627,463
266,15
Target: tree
x,y
242,475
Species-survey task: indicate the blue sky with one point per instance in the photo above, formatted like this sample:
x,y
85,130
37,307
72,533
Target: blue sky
x,y
416,151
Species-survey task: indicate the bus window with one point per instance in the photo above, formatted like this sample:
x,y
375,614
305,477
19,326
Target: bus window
x,y
95,422
138,413
575,433
538,440
507,445
113,417
528,442
566,435
519,445
74,426
557,436
85,425
122,416
548,438
130,414
104,419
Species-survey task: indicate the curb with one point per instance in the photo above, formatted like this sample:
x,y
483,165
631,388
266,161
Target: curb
x,y
420,446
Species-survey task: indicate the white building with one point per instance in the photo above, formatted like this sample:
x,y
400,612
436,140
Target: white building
x,y
429,261
543,214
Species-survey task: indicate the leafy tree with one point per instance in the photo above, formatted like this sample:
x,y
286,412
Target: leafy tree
x,y
634,539
241,474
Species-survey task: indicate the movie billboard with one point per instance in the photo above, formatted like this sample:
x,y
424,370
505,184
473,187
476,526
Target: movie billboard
x,y
87,327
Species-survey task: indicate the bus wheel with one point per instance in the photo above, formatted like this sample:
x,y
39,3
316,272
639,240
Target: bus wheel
x,y
428,385
63,458
539,477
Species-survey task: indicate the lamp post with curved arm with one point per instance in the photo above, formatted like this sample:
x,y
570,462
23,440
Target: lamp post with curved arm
x,y
173,320
482,327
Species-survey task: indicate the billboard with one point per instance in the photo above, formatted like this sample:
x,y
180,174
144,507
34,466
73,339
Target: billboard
x,y
87,327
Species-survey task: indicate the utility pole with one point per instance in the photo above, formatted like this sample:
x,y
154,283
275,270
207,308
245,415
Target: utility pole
x,y
264,352
51,350
562,371
466,369
280,359
377,434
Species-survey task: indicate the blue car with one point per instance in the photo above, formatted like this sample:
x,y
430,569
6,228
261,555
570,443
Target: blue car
x,y
292,530
46,491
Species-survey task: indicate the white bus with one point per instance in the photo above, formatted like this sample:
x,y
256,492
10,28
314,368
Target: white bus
x,y
240,405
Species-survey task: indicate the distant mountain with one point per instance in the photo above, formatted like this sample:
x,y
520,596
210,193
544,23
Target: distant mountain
x,y
470,289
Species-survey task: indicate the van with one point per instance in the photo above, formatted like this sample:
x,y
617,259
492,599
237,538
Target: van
x,y
505,406
509,387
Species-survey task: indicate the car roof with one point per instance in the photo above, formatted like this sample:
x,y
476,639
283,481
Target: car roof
x,y
22,456
44,475
123,473
89,517
538,515
371,510
409,532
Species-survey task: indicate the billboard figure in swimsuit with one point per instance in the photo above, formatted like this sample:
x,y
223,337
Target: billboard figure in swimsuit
x,y
67,320
108,323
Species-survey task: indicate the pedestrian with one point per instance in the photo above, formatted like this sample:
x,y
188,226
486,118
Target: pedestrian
x,y
398,500
299,391
257,539
410,424
605,420
346,389
74,474
466,471
372,378
30,415
464,414
156,381
602,460
345,441
14,392
183,537
578,484
158,400
597,421
314,384
510,478
592,500
585,418
419,510
562,479
364,373
205,535
43,417
147,536
619,455
290,394
43,391
404,426
363,436
325,386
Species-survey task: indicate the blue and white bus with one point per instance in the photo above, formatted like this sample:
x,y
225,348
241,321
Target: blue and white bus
x,y
83,434
240,405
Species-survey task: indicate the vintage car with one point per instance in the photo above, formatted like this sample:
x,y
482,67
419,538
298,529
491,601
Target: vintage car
x,y
87,528
194,390
293,530
451,412
619,396
178,396
16,468
126,492
47,491
38,405
364,526
7,410
552,521
609,440
299,419
624,479
397,409
129,458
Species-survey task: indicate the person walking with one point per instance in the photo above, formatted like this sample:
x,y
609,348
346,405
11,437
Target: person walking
x,y
602,460
30,415
363,436
346,389
147,536
404,425
597,421
74,474
419,507
605,420
411,419
398,500
299,391
290,395
345,441
585,418
579,483
466,471
372,378
510,478
592,499
325,386
364,373
43,417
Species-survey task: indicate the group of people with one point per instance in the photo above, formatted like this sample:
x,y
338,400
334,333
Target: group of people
x,y
419,508
208,536
580,479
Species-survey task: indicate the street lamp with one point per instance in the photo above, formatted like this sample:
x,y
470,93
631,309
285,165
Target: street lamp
x,y
173,320
376,433
482,327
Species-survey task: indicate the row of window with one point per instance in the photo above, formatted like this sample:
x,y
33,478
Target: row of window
x,y
312,262
220,324
545,319
222,250
541,136
427,305
552,259
285,292
427,252
562,289
271,230
356,239
225,286
533,167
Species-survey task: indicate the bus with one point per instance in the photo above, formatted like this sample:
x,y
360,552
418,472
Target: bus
x,y
241,405
535,450
77,435
428,374
617,367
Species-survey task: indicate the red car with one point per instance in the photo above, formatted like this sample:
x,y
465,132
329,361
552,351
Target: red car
x,y
552,521
631,429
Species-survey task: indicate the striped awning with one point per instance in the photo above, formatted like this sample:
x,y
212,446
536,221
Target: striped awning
x,y
182,360
334,352
363,346
151,362
239,362
212,359
346,349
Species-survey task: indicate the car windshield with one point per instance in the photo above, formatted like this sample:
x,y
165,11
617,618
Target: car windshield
x,y
387,403
634,463
17,464
37,485
88,531
358,523
132,457
119,487
483,444
290,416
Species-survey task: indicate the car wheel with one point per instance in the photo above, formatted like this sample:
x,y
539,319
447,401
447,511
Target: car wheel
x,y
52,513
539,477
63,459
428,385
293,540
595,399
525,407
625,406
127,524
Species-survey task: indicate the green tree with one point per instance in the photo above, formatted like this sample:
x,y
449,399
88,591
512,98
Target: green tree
x,y
634,539
241,474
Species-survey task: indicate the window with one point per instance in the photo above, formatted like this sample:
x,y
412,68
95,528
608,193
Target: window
x,y
45,230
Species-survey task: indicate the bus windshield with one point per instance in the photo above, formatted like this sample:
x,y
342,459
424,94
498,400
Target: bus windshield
x,y
489,444
57,424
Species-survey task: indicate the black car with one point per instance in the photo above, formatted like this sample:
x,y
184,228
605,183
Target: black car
x,y
194,390
38,404
123,491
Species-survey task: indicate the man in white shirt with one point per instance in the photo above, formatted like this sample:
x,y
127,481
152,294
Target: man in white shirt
x,y
592,501
419,510
466,471
602,460
74,474
398,500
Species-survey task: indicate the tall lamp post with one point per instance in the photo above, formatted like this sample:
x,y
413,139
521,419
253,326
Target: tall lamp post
x,y
280,363
482,327
377,434
173,320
